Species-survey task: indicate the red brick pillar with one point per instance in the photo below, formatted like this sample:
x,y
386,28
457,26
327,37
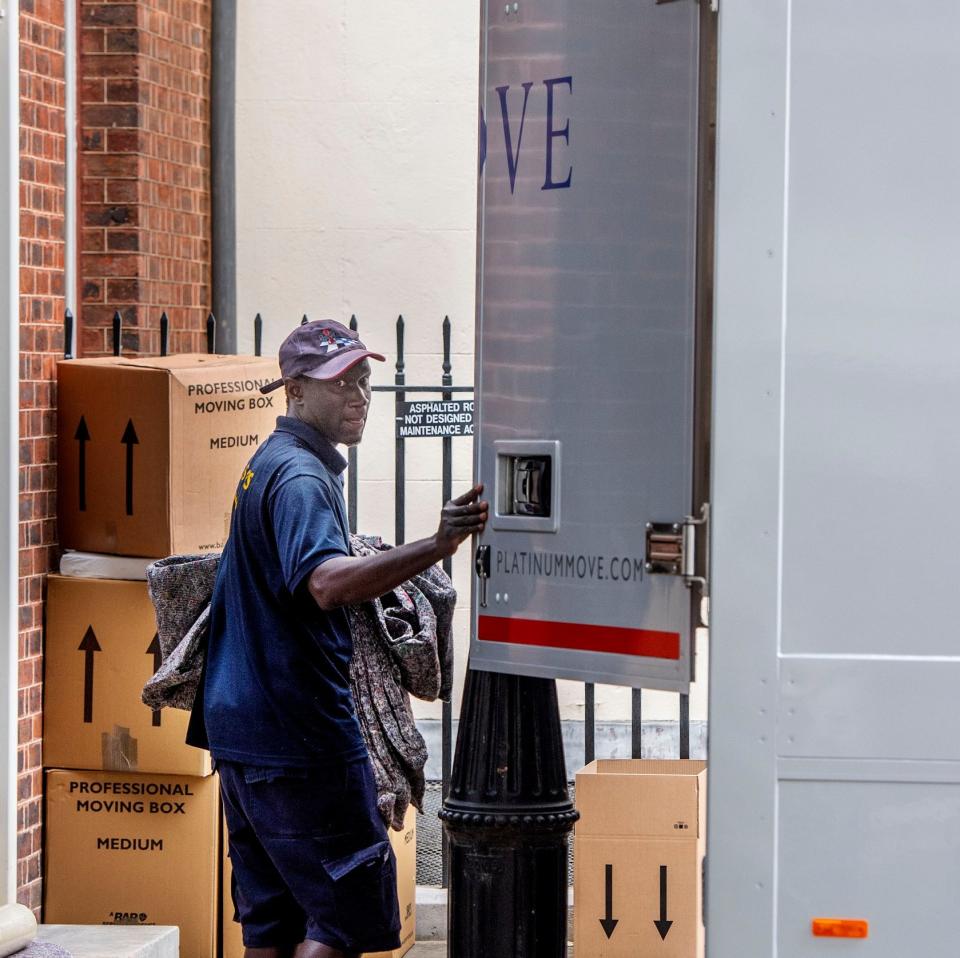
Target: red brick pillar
x,y
42,170
144,203
144,168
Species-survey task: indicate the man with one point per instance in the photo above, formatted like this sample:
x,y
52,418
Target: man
x,y
314,875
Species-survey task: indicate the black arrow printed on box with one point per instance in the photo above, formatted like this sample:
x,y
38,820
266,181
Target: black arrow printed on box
x,y
609,923
89,646
154,649
663,926
82,435
130,440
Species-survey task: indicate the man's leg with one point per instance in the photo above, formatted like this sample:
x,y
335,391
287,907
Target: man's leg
x,y
321,833
285,952
273,922
313,949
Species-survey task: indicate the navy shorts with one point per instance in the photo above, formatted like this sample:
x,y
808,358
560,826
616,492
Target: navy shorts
x,y
310,856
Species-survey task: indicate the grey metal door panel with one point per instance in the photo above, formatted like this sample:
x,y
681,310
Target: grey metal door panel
x,y
887,850
585,327
834,664
861,708
871,333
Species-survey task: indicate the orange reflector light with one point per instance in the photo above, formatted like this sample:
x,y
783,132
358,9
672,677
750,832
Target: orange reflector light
x,y
840,928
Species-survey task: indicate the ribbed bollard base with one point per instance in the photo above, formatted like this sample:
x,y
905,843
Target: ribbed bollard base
x,y
508,894
508,819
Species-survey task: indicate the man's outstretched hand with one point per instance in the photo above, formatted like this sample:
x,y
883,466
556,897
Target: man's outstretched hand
x,y
342,580
460,518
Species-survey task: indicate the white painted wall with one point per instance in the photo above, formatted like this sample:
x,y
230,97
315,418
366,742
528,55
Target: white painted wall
x,y
356,194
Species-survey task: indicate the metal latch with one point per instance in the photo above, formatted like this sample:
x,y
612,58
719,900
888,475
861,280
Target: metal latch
x,y
481,565
672,548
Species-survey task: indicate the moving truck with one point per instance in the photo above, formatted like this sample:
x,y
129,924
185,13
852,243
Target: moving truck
x,y
764,414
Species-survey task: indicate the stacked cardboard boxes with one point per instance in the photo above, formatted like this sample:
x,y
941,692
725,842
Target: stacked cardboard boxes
x,y
150,452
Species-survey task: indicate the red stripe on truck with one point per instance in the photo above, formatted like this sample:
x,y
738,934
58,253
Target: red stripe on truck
x,y
647,643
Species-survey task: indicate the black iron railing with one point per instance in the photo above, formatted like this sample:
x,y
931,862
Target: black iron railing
x,y
445,389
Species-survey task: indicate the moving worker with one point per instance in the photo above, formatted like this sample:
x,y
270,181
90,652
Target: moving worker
x,y
314,874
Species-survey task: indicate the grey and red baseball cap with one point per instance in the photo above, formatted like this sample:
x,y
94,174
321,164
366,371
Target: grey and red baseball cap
x,y
321,349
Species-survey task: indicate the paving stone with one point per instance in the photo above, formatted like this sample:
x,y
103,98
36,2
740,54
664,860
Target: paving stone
x,y
438,949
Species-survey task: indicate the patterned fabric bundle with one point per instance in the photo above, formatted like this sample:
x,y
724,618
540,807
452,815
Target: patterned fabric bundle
x,y
402,643
180,588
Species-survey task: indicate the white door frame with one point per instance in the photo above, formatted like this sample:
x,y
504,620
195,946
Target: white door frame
x,y
9,437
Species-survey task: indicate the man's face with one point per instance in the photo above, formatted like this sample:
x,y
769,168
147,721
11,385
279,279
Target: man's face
x,y
336,408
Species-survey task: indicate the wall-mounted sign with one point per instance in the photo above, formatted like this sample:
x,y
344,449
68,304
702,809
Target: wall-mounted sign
x,y
435,417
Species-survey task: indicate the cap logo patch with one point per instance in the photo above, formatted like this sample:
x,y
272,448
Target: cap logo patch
x,y
333,343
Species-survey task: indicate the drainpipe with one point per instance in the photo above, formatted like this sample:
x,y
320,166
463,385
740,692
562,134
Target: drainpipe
x,y
70,244
223,201
9,436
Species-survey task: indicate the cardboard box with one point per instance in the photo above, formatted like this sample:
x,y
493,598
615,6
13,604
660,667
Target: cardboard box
x,y
638,859
125,849
231,934
150,450
404,847
101,648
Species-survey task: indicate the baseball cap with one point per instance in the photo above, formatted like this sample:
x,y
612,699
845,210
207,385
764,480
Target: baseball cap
x,y
320,349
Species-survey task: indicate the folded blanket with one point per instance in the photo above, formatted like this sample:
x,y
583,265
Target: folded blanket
x,y
180,588
402,644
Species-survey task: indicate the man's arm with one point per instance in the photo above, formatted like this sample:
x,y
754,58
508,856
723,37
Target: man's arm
x,y
345,580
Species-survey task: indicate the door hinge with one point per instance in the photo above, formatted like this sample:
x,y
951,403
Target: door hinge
x,y
672,549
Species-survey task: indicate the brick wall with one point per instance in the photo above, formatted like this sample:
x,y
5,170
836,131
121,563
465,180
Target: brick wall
x,y
144,198
42,152
144,167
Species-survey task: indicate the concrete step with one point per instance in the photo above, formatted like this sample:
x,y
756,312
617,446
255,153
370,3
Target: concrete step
x,y
428,949
432,913
113,941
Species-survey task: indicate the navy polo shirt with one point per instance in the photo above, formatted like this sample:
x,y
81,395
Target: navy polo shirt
x,y
276,689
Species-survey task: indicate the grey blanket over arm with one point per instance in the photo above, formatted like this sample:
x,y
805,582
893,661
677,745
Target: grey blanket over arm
x,y
402,644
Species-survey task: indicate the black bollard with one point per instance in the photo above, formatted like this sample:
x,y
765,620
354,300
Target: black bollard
x,y
508,818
